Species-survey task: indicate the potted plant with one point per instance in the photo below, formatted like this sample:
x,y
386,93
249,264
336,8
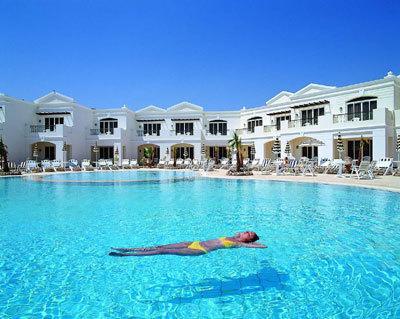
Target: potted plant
x,y
4,156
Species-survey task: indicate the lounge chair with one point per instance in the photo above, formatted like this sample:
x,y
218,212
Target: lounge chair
x,y
22,167
384,166
187,163
161,164
134,163
170,163
254,164
125,163
86,166
179,163
31,165
225,163
73,165
364,170
195,165
56,165
46,166
111,165
291,168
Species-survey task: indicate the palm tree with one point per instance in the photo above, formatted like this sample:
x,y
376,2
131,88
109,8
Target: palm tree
x,y
3,156
148,153
235,143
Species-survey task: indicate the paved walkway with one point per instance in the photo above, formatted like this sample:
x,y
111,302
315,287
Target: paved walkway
x,y
391,183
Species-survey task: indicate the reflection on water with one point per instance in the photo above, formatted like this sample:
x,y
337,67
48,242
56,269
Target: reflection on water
x,y
266,278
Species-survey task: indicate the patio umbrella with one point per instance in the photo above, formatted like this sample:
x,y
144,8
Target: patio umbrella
x,y
339,145
276,148
252,150
64,148
96,151
398,146
185,153
35,151
311,142
288,151
203,151
340,149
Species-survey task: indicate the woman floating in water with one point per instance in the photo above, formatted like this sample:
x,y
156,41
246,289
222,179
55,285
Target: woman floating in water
x,y
245,239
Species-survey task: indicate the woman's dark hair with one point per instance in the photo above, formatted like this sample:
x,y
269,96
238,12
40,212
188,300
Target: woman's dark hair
x,y
255,238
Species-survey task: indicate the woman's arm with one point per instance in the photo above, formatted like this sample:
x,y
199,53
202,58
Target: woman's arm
x,y
252,245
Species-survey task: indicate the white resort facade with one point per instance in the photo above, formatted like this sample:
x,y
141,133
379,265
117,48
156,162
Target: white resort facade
x,y
61,129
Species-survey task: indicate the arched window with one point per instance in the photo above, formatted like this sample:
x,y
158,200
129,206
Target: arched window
x,y
218,127
253,122
361,108
107,125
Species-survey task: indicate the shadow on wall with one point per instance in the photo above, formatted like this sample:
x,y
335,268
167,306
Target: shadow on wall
x,y
266,278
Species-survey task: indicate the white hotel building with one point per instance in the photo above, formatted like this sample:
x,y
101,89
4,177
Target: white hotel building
x,y
370,110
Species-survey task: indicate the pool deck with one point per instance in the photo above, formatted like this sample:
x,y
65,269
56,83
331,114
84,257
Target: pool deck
x,y
389,183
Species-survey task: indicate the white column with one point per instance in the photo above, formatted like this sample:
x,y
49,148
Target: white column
x,y
379,143
59,151
259,147
197,150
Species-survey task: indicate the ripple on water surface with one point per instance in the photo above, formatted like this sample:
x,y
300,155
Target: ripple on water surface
x,y
333,251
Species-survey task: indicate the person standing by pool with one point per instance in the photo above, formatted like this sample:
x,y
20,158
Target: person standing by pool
x,y
245,239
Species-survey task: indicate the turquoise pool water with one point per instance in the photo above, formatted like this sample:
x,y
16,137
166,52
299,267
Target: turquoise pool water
x,y
333,251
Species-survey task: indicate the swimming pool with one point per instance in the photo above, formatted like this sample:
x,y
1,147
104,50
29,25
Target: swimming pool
x,y
333,250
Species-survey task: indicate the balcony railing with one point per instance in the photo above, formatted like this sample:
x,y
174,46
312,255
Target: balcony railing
x,y
223,133
353,117
270,128
309,121
96,131
184,133
148,133
42,128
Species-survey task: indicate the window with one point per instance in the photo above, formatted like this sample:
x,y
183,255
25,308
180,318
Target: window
x,y
253,122
279,120
218,152
106,152
180,151
309,151
152,128
218,127
49,152
51,122
361,109
184,128
108,125
310,117
353,149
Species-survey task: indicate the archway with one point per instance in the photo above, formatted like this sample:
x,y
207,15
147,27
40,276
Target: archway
x,y
305,146
156,152
268,149
43,151
182,149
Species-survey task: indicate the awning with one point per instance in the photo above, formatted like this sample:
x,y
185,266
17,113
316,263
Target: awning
x,y
311,142
152,120
185,119
53,113
280,112
310,104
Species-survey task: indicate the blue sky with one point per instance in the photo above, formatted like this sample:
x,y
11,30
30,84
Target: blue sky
x,y
215,53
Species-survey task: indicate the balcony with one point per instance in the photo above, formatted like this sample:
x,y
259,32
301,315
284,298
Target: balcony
x,y
43,132
364,119
218,136
270,128
116,134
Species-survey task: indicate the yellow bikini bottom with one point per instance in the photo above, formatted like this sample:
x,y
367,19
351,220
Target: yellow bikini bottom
x,y
197,246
